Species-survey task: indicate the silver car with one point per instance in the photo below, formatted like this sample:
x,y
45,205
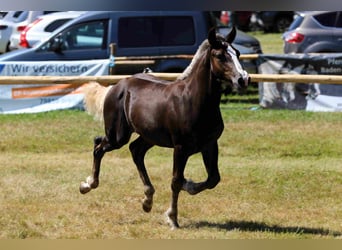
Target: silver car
x,y
314,32
41,28
15,21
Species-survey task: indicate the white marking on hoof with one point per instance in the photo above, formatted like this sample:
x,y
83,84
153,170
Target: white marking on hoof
x,y
89,180
171,220
84,187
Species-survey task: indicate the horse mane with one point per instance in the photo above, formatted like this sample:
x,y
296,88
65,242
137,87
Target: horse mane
x,y
199,54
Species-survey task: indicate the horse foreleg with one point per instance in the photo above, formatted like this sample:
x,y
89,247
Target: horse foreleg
x,y
138,148
179,161
100,147
210,158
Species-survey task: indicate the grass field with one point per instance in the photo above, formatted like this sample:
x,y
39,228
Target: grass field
x,y
281,178
271,43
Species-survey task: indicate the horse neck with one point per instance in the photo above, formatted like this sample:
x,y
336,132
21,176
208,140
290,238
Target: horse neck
x,y
202,83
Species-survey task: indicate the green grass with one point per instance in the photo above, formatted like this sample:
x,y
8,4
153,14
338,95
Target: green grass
x,y
281,178
271,43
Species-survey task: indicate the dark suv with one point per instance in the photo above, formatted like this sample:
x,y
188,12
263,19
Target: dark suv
x,y
141,33
317,31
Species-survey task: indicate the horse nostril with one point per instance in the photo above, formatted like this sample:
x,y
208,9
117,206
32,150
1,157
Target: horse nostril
x,y
241,82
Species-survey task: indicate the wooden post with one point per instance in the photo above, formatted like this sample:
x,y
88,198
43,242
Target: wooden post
x,y
111,68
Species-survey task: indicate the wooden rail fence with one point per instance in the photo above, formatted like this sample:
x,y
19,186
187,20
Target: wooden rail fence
x,y
112,79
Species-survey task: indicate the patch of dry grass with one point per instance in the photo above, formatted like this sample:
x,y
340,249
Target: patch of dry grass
x,y
281,178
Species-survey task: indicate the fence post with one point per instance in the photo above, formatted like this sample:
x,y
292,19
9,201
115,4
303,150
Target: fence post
x,y
111,68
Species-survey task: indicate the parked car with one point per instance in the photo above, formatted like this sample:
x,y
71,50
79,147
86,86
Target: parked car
x,y
41,28
142,33
15,21
271,21
314,32
8,20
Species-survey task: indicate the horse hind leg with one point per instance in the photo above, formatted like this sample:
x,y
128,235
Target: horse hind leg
x,y
101,146
118,134
138,149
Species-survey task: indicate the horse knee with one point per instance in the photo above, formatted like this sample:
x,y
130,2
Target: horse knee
x,y
97,140
100,147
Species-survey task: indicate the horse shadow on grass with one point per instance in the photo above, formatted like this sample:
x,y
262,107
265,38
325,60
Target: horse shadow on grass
x,y
251,226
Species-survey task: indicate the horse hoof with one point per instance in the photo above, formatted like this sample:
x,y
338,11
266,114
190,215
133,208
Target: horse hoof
x,y
171,220
147,206
172,224
84,188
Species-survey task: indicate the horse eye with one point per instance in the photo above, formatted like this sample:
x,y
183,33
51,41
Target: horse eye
x,y
221,57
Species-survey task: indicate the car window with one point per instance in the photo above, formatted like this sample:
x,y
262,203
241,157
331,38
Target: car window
x,y
20,16
326,19
17,14
177,31
3,14
155,31
339,20
55,24
90,35
137,32
296,23
48,12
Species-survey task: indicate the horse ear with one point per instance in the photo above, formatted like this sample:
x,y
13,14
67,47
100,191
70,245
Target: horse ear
x,y
212,36
231,36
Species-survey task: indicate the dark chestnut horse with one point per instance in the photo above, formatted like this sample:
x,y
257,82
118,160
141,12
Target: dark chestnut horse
x,y
183,115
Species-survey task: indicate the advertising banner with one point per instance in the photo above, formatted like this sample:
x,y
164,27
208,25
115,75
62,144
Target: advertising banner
x,y
311,96
32,98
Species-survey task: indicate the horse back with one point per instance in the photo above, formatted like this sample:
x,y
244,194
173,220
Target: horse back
x,y
150,78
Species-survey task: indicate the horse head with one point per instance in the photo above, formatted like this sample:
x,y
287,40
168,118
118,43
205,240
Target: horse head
x,y
225,64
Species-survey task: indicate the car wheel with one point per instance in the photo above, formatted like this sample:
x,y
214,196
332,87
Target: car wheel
x,y
282,23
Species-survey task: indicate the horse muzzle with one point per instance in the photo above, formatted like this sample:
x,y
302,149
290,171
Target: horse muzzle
x,y
244,82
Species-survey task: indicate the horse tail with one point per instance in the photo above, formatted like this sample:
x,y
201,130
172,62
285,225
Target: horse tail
x,y
94,96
